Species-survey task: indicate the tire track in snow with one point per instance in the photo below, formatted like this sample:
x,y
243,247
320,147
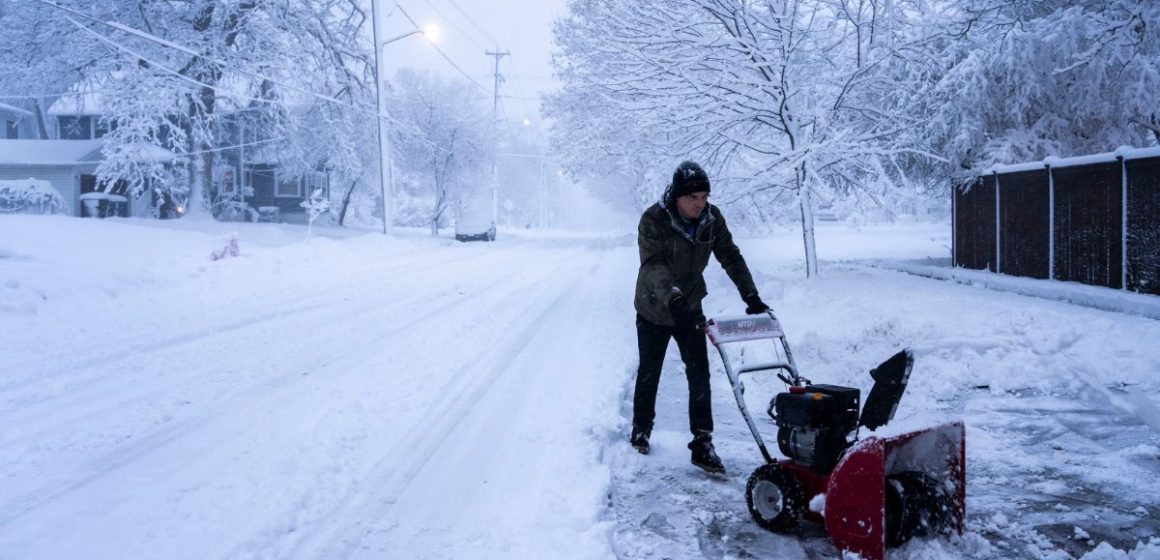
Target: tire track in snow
x,y
69,412
110,462
522,469
391,476
99,353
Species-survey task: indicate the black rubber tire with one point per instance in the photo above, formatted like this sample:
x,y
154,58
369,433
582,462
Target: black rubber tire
x,y
775,498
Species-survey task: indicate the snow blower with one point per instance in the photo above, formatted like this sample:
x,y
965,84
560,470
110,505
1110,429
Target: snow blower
x,y
878,492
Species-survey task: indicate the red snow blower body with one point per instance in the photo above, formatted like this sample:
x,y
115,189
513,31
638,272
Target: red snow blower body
x,y
878,492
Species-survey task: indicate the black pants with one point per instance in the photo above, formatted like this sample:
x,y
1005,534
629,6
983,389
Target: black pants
x,y
652,341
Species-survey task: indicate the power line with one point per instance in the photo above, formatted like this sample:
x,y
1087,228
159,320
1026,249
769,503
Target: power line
x,y
532,76
67,94
437,49
139,56
522,97
442,16
233,147
471,20
518,85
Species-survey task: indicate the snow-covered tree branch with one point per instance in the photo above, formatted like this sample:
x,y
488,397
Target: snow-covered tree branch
x,y
809,96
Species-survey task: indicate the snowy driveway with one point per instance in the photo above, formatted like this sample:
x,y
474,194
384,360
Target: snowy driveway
x,y
417,398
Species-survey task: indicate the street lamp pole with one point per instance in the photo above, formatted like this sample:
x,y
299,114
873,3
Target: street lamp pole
x,y
385,176
386,166
497,54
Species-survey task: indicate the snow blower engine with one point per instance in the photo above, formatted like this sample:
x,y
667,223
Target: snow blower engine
x,y
869,494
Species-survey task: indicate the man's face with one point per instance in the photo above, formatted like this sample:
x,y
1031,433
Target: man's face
x,y
691,205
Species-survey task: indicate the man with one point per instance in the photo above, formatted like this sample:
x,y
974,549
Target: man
x,y
675,237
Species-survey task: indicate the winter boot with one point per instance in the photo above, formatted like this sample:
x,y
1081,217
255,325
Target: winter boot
x,y
705,457
639,441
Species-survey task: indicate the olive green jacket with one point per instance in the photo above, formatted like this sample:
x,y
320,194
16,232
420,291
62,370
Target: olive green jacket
x,y
672,262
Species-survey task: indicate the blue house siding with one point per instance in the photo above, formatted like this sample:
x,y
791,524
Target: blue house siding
x,y
263,184
270,188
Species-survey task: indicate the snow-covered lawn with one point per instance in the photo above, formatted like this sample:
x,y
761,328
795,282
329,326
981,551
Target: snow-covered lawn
x,y
360,396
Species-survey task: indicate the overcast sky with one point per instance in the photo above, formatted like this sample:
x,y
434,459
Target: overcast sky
x,y
471,27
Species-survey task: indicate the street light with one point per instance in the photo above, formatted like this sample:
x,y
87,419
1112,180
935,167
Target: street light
x,y
386,169
431,31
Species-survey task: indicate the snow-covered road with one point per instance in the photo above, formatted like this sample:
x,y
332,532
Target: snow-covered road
x,y
370,397
323,413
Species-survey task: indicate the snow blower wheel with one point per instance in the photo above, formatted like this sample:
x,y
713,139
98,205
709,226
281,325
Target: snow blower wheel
x,y
775,498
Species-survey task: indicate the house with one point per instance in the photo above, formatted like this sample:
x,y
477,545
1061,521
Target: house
x,y
251,183
70,166
248,184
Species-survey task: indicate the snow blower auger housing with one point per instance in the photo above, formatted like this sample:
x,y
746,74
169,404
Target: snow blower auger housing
x,y
878,492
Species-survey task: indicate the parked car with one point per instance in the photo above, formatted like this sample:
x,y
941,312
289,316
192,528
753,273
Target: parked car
x,y
475,221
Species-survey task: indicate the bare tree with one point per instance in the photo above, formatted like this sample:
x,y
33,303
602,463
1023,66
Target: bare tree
x,y
441,138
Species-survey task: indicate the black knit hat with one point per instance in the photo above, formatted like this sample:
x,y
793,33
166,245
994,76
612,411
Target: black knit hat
x,y
689,178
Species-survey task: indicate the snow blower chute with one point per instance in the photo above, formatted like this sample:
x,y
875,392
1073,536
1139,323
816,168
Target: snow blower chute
x,y
878,492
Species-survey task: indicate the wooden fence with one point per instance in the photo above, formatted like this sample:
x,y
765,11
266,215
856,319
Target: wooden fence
x,y
1091,219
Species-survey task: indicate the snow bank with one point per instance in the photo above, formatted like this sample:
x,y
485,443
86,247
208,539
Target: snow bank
x,y
1120,301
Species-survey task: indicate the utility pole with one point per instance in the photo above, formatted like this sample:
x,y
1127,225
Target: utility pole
x,y
543,186
497,54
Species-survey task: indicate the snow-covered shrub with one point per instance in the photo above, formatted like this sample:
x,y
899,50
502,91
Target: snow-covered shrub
x,y
315,206
29,196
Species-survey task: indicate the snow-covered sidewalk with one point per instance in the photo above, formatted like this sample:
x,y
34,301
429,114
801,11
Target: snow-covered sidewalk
x,y
1060,403
1120,301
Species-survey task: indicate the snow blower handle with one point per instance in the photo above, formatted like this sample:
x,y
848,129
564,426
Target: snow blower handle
x,y
764,326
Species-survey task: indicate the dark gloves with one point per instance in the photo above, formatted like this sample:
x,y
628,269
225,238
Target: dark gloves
x,y
684,315
755,305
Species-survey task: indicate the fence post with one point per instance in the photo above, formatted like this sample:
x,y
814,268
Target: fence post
x,y
1050,219
1123,222
954,225
998,228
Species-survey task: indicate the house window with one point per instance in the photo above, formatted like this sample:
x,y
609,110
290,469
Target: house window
x,y
75,128
288,189
261,179
101,127
314,180
12,130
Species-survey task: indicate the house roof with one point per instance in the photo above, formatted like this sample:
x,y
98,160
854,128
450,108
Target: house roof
x,y
13,109
68,152
49,152
73,103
